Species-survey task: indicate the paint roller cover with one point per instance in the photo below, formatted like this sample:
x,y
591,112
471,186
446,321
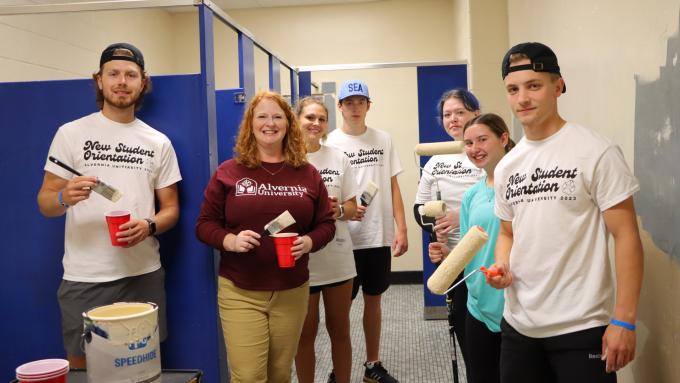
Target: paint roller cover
x,y
451,147
434,209
457,259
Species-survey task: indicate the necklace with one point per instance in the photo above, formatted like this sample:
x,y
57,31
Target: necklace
x,y
275,172
489,193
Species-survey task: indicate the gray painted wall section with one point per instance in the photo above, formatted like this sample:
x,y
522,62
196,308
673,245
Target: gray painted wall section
x,y
657,152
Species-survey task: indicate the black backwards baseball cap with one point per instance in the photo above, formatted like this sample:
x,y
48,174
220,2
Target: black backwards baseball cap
x,y
122,51
542,58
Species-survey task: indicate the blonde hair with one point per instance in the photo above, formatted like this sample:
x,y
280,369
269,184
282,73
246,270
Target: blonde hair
x,y
245,149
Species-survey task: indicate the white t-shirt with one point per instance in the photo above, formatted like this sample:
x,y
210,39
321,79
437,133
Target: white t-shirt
x,y
134,159
454,174
335,262
373,158
554,191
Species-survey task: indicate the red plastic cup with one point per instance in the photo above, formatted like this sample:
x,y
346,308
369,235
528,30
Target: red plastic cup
x,y
114,219
284,244
43,371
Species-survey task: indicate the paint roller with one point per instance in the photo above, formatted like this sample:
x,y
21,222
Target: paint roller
x,y
437,208
432,148
433,209
457,259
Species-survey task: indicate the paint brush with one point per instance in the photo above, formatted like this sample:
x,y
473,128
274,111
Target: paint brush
x,y
369,193
103,189
279,223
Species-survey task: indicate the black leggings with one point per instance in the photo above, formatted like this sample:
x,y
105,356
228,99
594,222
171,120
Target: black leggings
x,y
483,352
568,358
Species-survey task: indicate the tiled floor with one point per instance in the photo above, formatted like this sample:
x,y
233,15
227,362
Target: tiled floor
x,y
412,349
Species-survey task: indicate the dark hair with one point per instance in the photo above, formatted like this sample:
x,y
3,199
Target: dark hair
x,y
495,123
99,94
468,99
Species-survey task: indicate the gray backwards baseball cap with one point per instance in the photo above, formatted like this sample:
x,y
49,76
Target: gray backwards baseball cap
x,y
122,51
542,59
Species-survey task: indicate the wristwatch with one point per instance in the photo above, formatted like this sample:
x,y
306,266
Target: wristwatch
x,y
152,226
341,209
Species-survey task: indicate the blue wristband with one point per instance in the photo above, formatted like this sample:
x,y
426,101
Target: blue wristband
x,y
626,325
61,200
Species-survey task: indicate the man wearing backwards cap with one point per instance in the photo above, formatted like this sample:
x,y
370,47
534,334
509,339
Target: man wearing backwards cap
x,y
374,158
559,193
140,162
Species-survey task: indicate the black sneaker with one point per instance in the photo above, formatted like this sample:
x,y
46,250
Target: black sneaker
x,y
331,378
377,374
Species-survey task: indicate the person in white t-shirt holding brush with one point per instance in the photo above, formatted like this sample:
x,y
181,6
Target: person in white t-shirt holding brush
x,y
129,155
331,269
568,316
374,159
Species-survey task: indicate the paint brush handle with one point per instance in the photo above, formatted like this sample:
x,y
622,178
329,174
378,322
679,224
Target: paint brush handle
x,y
461,281
63,165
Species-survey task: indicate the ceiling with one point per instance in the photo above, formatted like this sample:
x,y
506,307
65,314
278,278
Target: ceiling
x,y
224,4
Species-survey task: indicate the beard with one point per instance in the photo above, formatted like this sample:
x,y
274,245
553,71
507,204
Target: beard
x,y
121,102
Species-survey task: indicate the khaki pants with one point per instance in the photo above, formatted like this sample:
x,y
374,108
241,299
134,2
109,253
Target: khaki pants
x,y
261,331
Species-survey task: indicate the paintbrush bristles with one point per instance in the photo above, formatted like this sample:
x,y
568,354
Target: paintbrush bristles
x,y
368,194
279,223
107,191
285,219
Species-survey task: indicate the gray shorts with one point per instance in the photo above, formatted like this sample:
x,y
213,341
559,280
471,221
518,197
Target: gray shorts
x,y
75,298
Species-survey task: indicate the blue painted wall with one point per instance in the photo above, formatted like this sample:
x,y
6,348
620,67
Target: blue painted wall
x,y
433,81
30,114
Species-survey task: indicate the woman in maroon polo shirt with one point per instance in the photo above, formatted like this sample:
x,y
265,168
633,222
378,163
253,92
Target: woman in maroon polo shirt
x,y
263,306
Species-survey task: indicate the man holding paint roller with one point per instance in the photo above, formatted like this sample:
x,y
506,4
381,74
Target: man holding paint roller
x,y
558,195
113,145
376,165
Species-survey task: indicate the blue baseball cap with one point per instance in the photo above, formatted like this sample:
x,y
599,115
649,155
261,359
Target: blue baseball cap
x,y
353,88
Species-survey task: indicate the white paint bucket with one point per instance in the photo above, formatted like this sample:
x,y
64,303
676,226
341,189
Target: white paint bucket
x,y
122,343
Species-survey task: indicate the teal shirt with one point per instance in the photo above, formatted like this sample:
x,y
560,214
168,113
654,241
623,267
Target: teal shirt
x,y
484,302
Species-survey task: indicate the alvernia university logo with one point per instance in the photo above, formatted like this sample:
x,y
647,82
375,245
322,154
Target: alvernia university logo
x,y
249,187
246,186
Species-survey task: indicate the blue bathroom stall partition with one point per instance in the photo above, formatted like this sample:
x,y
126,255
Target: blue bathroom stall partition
x,y
433,81
230,105
30,114
32,248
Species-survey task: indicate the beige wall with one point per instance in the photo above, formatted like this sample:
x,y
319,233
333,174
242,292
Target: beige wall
x,y
488,44
379,31
460,19
602,47
68,45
